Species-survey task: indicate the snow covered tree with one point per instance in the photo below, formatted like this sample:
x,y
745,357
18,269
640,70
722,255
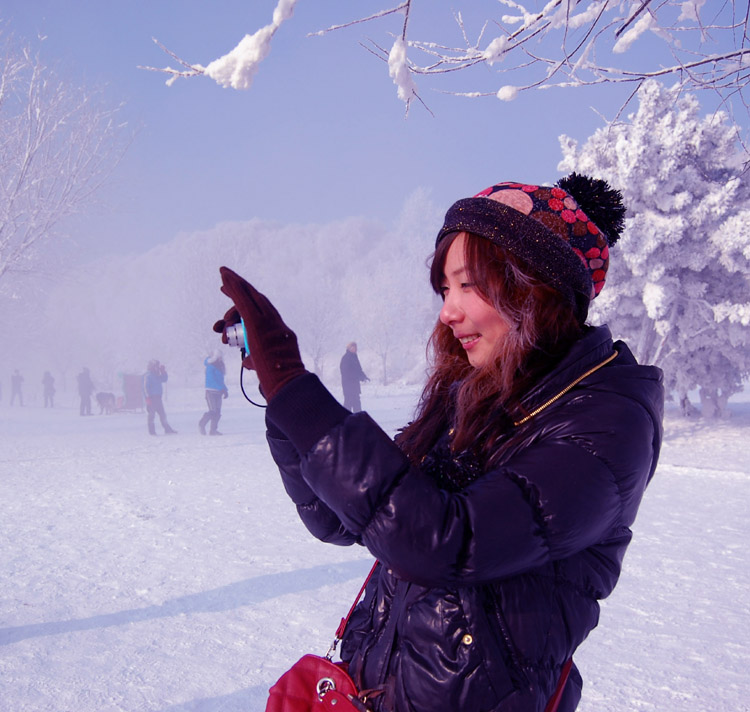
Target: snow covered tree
x,y
679,279
391,309
57,146
560,43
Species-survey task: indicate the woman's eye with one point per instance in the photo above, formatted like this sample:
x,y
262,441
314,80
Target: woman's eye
x,y
467,285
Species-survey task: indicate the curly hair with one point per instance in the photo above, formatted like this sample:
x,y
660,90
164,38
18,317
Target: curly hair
x,y
480,404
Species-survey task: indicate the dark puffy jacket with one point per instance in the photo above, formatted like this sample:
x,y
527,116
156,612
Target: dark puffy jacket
x,y
484,593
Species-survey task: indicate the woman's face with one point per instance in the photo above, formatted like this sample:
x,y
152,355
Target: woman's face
x,y
473,320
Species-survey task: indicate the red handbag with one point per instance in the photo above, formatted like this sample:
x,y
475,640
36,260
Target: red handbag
x,y
314,683
317,684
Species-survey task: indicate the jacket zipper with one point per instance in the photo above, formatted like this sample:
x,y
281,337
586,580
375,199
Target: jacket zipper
x,y
567,388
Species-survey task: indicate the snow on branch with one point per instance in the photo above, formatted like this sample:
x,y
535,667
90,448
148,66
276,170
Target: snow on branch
x,y
567,43
237,68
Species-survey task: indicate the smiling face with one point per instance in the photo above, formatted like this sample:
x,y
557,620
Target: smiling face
x,y
474,321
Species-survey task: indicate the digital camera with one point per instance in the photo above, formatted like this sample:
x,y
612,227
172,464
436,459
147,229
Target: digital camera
x,y
236,336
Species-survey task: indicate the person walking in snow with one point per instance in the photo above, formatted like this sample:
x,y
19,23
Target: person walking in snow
x,y
351,376
48,388
501,513
16,388
153,390
85,389
216,391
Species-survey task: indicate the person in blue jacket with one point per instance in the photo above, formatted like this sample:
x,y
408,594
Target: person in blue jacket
x,y
153,389
501,513
216,390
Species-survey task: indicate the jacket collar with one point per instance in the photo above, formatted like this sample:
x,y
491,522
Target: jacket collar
x,y
593,350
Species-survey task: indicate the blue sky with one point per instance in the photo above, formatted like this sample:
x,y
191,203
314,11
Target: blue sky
x,y
321,134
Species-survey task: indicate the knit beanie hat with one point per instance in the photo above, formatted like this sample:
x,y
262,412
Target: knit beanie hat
x,y
562,232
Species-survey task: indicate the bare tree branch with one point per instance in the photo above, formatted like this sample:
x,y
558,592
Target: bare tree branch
x,y
57,147
565,44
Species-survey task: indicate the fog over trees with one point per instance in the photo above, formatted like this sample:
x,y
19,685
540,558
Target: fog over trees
x,y
350,280
678,288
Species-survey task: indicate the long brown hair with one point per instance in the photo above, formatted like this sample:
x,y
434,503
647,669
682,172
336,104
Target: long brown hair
x,y
480,404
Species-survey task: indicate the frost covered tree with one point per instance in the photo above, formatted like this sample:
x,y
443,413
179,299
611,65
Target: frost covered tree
x,y
390,304
352,279
58,144
680,273
525,45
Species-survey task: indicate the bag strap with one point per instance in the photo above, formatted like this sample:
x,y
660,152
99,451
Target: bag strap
x,y
344,621
554,701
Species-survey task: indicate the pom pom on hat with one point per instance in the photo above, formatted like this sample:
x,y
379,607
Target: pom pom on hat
x,y
562,232
599,201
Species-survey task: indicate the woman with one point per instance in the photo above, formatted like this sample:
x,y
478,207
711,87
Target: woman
x,y
501,515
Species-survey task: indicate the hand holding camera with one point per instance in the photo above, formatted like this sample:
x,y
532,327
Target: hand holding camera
x,y
255,325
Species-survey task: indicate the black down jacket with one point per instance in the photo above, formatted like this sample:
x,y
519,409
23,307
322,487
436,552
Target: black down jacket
x,y
483,593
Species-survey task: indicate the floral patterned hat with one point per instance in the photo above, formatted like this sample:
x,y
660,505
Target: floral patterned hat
x,y
562,232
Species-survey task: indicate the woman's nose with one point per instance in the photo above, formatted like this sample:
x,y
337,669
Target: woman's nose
x,y
449,313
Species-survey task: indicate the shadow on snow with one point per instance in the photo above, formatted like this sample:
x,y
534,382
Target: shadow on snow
x,y
233,595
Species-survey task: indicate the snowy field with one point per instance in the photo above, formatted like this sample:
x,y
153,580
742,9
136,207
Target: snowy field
x,y
170,574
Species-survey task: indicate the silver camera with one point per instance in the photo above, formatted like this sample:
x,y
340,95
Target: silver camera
x,y
236,336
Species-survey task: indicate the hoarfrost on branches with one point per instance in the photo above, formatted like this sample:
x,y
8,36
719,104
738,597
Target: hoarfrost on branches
x,y
58,144
565,44
237,68
679,280
629,38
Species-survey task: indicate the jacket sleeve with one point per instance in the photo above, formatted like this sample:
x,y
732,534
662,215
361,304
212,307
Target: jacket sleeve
x,y
576,480
319,519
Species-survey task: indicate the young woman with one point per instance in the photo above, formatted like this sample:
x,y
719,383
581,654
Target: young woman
x,y
501,514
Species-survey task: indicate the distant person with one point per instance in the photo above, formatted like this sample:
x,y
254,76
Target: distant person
x,y
351,376
16,388
85,389
48,387
156,376
216,391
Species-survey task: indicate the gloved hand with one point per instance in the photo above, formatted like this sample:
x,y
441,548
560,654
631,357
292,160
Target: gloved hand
x,y
274,353
231,318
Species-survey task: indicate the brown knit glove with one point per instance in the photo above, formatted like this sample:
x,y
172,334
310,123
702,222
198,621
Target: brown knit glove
x,y
274,354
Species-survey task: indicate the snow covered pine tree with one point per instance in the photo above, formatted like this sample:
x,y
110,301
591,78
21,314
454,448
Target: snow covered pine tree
x,y
683,270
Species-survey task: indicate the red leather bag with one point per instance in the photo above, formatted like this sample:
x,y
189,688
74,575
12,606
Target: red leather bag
x,y
317,684
314,683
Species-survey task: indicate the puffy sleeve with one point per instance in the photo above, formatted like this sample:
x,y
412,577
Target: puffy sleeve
x,y
319,519
575,478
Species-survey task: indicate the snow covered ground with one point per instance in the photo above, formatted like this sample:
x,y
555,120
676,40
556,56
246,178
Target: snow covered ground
x,y
171,574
